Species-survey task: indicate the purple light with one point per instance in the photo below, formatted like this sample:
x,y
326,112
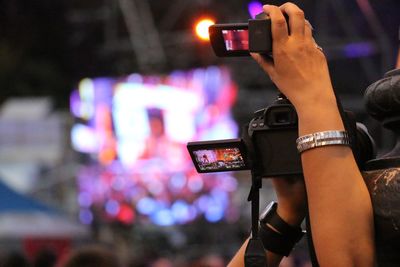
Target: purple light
x,y
228,183
195,184
361,49
85,199
220,197
74,101
177,182
155,187
254,8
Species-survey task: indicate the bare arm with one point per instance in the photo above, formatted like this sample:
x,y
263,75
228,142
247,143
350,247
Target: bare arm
x,y
339,203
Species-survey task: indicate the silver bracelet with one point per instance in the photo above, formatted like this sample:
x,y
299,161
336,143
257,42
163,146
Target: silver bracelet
x,y
318,139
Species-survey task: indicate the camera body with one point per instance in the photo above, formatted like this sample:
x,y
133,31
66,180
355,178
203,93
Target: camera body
x,y
241,39
268,145
271,141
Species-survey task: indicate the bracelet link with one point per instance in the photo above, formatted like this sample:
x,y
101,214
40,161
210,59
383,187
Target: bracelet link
x,y
325,138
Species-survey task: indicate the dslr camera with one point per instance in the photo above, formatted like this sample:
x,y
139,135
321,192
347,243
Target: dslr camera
x,y
268,144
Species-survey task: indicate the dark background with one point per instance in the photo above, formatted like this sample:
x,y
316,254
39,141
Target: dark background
x,y
47,46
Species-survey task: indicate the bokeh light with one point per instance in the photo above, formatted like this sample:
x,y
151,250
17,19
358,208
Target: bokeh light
x,y
202,28
254,8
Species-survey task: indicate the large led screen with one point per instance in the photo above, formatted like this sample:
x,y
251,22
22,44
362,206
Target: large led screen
x,y
131,134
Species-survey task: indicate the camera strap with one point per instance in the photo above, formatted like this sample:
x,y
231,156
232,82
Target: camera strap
x,y
255,255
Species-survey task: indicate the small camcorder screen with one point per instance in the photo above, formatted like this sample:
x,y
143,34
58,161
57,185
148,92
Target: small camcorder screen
x,y
219,159
237,39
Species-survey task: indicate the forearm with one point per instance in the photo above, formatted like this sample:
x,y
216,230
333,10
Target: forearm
x,y
339,203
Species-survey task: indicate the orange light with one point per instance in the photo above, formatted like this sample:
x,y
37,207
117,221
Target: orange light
x,y
202,28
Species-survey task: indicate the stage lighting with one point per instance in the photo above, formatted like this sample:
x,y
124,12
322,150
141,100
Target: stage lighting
x,y
202,28
254,7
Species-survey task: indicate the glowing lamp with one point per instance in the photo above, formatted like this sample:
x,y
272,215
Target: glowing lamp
x,y
202,29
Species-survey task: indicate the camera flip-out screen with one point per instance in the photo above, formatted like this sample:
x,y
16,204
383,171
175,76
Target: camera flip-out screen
x,y
236,39
218,156
230,40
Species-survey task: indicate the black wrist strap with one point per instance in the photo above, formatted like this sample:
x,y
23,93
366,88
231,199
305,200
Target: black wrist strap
x,y
276,242
274,220
277,235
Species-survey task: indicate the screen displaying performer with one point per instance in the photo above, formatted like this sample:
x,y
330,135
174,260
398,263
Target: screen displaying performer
x,y
236,39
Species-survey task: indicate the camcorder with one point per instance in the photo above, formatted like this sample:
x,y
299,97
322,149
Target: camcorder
x,y
268,143
240,39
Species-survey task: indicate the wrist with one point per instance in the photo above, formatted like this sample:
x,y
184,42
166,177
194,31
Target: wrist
x,y
313,96
291,217
322,116
275,233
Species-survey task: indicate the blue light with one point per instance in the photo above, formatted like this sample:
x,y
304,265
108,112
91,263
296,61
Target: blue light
x,y
220,197
163,217
192,213
146,206
203,202
112,207
86,216
214,213
255,8
180,211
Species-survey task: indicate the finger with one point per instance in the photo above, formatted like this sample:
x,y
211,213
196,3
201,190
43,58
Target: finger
x,y
279,28
308,30
296,18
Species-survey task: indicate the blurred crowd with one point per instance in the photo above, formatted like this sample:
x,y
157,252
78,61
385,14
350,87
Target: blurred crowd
x,y
102,256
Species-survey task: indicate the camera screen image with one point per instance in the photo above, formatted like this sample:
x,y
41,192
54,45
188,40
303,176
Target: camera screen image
x,y
219,159
236,39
